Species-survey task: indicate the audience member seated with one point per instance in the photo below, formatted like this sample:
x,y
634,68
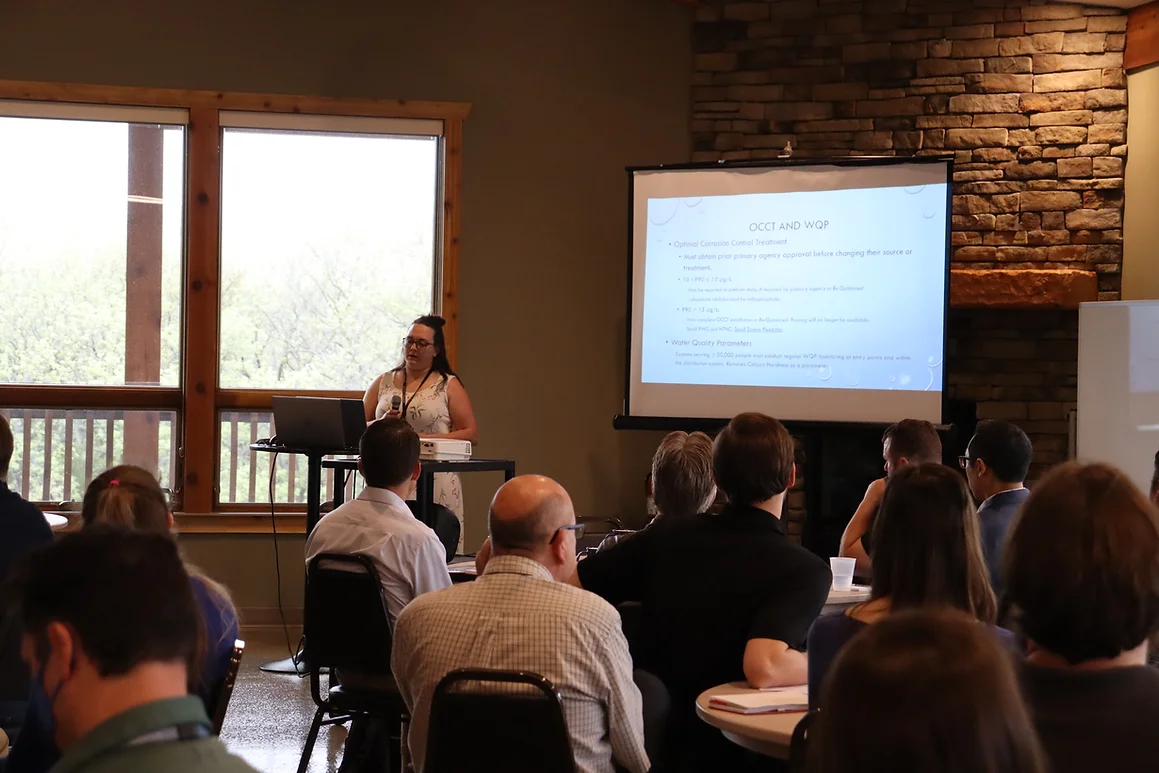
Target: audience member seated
x,y
926,553
1082,573
129,497
910,441
926,691
520,614
996,462
410,558
378,524
22,528
682,483
111,633
1155,481
726,597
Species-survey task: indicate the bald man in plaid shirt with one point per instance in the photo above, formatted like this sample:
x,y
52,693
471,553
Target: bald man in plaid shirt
x,y
522,615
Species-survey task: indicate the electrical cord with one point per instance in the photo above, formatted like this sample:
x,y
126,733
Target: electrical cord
x,y
278,568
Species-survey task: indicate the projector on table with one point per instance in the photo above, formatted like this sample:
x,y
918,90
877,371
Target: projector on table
x,y
444,448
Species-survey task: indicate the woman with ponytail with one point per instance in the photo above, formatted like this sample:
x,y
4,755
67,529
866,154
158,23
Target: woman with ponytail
x,y
431,398
129,496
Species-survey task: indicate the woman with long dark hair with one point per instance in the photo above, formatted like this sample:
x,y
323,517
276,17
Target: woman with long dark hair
x,y
924,691
431,398
927,552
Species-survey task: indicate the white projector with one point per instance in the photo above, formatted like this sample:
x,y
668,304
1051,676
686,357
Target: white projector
x,y
444,448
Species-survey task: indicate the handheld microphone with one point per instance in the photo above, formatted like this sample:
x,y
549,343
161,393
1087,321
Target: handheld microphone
x,y
395,403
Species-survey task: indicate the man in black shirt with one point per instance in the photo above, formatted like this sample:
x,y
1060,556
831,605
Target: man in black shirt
x,y
22,525
22,528
1082,571
909,441
725,597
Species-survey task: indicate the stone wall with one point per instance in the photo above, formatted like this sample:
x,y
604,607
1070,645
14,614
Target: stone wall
x,y
1030,99
1021,366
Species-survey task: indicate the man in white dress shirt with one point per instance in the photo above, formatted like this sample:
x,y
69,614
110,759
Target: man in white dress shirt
x,y
521,614
407,553
378,524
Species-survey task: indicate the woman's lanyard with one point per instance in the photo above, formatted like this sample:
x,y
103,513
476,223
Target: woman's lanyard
x,y
406,403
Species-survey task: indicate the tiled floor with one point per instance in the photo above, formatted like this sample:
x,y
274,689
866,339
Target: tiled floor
x,y
269,714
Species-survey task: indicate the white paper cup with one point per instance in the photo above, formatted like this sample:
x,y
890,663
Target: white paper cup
x,y
842,573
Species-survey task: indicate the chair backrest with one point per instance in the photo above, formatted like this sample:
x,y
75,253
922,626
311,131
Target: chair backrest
x,y
511,719
799,744
344,616
224,691
445,524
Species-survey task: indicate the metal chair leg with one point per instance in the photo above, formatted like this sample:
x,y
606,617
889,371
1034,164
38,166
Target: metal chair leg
x,y
311,739
404,750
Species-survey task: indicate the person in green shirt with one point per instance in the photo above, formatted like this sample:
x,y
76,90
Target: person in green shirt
x,y
110,633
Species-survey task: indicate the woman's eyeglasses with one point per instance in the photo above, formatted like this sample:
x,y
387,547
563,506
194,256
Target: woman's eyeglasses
x,y
417,343
964,462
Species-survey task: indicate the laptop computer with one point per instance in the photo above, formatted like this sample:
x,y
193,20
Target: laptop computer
x,y
328,423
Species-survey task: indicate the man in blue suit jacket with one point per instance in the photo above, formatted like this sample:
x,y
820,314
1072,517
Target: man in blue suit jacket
x,y
996,463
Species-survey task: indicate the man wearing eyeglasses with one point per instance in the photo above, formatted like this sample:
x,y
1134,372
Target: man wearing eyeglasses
x,y
724,596
996,462
522,615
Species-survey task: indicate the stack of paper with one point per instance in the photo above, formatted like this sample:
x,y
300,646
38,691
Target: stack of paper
x,y
779,699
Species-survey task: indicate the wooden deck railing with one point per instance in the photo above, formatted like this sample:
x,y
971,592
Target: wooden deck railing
x,y
58,452
244,477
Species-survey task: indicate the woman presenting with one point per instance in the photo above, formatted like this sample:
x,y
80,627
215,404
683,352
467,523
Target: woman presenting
x,y
431,399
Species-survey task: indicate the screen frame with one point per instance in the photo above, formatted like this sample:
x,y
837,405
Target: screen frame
x,y
627,420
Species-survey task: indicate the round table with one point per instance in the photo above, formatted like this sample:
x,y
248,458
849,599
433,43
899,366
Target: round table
x,y
767,734
56,521
840,599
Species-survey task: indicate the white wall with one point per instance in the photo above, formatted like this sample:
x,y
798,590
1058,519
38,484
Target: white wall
x,y
1141,213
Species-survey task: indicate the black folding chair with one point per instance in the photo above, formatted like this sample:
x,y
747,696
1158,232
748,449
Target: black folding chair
x,y
347,630
799,744
224,691
445,524
520,726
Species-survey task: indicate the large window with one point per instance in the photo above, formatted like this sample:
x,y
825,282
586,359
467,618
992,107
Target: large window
x,y
91,227
171,260
328,250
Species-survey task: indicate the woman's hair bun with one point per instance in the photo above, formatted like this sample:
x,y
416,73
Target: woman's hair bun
x,y
431,320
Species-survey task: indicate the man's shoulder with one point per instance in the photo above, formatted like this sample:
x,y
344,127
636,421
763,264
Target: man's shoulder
x,y
437,602
577,605
11,502
16,512
1004,503
584,605
206,755
806,559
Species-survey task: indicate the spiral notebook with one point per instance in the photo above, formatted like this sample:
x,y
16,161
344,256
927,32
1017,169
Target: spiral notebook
x,y
776,700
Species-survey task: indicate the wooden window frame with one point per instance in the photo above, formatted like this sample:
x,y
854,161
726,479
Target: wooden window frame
x,y
199,400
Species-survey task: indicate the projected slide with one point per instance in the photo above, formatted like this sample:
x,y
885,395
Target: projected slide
x,y
832,289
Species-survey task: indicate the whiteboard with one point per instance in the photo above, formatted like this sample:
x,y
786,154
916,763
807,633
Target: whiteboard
x,y
1118,386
